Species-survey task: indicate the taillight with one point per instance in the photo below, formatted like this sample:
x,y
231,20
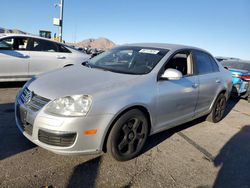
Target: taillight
x,y
243,77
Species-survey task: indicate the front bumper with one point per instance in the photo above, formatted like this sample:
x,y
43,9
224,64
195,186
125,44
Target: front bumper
x,y
62,135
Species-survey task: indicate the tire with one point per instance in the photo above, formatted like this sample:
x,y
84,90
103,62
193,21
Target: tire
x,y
218,109
128,135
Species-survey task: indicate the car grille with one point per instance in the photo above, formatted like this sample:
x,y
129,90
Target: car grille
x,y
33,101
56,139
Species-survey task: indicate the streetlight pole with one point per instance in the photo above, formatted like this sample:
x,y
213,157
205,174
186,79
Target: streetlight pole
x,y
61,20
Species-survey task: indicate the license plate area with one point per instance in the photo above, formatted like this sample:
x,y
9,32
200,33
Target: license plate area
x,y
22,118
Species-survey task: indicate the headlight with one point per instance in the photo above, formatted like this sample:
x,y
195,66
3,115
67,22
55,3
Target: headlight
x,y
77,105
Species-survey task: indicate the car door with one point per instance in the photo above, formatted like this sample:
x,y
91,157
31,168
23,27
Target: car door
x,y
176,100
14,58
209,80
45,56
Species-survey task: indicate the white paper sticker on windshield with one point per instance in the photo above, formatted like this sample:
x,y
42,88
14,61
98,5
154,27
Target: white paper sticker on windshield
x,y
149,51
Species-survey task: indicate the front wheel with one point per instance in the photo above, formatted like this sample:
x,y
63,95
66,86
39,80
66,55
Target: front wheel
x,y
218,109
128,135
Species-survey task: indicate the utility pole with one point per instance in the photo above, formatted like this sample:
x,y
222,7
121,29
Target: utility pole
x,y
61,20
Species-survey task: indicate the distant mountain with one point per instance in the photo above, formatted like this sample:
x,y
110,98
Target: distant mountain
x,y
4,30
100,43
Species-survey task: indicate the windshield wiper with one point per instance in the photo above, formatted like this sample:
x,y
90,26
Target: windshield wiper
x,y
122,72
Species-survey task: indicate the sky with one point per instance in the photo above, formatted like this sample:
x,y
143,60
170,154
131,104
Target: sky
x,y
219,26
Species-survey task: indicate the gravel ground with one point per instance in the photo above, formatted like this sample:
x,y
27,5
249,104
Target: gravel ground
x,y
195,154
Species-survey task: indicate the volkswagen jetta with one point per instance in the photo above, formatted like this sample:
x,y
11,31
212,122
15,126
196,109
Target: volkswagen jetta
x,y
114,101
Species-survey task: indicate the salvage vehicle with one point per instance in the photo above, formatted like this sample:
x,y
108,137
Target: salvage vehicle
x,y
240,77
23,56
115,100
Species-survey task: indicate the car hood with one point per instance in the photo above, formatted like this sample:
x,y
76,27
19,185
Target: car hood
x,y
76,80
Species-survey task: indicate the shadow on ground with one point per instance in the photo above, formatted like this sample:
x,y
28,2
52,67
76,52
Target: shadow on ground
x,y
85,174
162,136
158,138
11,84
234,159
12,141
231,104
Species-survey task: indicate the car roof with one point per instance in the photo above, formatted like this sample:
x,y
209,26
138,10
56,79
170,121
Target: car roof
x,y
167,46
3,35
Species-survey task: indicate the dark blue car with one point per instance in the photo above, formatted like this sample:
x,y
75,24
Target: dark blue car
x,y
240,77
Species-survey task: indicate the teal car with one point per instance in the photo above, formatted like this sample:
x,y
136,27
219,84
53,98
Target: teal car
x,y
240,77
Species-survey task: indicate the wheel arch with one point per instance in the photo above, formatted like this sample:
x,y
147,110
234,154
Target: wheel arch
x,y
224,92
140,107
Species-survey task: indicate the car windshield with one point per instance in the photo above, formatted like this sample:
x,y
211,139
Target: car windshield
x,y
128,60
236,65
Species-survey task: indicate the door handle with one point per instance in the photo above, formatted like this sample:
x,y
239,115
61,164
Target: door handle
x,y
61,57
26,56
217,81
195,85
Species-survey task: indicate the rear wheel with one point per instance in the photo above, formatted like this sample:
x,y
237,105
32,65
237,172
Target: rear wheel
x,y
218,109
128,135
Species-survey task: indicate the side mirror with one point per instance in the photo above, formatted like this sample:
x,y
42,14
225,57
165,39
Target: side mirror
x,y
171,74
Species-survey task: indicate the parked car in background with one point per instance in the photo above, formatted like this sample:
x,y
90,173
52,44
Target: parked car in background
x,y
117,99
221,58
92,51
23,56
240,77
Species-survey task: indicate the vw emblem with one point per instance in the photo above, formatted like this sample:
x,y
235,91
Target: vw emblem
x,y
28,97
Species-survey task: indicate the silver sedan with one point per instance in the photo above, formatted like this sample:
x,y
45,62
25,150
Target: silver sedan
x,y
23,56
114,101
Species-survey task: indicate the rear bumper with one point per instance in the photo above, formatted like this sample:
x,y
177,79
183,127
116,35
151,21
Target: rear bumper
x,y
241,89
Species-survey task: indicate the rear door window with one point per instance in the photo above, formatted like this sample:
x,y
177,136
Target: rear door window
x,y
205,63
214,64
43,46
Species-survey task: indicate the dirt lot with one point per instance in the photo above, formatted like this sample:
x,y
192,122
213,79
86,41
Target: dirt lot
x,y
196,154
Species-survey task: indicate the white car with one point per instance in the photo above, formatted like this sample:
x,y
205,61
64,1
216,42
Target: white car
x,y
23,56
